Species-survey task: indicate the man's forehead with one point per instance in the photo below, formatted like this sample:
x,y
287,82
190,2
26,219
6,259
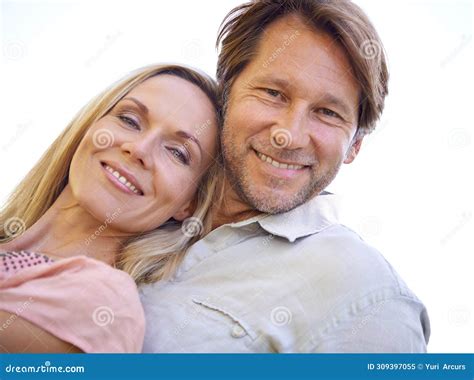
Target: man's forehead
x,y
291,35
293,55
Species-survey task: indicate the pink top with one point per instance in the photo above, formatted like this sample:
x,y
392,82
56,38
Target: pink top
x,y
80,300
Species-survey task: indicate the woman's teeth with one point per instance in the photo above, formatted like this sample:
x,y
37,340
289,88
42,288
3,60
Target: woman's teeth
x,y
122,179
278,164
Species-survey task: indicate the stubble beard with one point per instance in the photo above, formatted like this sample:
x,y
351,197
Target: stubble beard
x,y
237,174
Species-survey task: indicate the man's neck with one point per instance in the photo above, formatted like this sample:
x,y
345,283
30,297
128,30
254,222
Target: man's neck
x,y
229,207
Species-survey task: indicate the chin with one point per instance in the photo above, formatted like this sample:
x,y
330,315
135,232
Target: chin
x,y
270,206
272,201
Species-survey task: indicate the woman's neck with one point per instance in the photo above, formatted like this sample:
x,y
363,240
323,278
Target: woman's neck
x,y
67,230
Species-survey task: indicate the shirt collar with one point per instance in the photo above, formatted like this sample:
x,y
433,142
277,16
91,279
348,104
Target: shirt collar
x,y
307,219
304,220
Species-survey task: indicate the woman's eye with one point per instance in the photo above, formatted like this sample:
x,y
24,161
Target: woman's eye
x,y
129,121
180,155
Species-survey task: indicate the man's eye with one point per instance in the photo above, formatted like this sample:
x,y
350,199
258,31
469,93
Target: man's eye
x,y
330,113
272,93
180,155
129,121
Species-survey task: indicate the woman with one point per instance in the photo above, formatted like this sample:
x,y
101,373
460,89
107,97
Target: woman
x,y
114,202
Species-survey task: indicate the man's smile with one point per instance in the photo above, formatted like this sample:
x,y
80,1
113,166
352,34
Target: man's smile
x,y
280,168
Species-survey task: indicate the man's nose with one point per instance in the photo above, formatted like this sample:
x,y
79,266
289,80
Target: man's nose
x,y
291,132
142,148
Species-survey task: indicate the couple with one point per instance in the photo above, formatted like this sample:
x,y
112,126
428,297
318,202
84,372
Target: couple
x,y
174,215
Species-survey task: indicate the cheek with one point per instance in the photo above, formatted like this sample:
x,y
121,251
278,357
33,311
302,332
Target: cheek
x,y
97,138
85,172
247,118
81,164
330,145
106,133
174,187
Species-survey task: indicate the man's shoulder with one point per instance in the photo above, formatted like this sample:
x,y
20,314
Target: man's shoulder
x,y
350,263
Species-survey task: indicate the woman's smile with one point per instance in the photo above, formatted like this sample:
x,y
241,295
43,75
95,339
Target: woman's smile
x,y
122,179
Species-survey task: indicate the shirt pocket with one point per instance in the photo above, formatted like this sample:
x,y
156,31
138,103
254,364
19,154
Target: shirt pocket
x,y
226,325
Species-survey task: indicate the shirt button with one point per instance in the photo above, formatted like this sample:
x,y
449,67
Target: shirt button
x,y
238,331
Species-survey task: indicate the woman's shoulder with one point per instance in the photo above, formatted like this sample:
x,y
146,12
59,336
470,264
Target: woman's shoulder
x,y
18,267
72,275
12,262
100,301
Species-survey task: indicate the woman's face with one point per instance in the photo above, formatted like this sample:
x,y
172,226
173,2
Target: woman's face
x,y
139,165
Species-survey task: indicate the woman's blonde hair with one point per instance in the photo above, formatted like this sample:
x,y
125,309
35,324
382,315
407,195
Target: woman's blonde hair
x,y
148,257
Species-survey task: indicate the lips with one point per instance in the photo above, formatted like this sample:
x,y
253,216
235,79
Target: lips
x,y
123,176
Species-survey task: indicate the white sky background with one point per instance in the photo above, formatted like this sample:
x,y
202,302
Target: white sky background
x,y
410,191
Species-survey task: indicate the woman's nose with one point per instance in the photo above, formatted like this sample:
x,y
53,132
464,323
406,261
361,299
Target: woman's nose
x,y
141,149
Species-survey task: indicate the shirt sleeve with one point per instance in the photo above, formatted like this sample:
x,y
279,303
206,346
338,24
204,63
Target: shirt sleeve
x,y
397,325
81,301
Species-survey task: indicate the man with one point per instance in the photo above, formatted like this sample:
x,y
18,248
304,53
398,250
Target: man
x,y
302,82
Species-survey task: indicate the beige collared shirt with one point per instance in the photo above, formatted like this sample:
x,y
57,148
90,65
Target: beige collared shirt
x,y
293,282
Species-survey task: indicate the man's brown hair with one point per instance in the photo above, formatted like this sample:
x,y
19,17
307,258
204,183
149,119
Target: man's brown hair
x,y
242,30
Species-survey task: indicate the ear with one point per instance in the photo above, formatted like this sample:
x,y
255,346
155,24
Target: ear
x,y
186,211
353,150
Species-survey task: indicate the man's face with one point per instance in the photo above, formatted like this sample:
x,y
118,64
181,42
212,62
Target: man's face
x,y
291,118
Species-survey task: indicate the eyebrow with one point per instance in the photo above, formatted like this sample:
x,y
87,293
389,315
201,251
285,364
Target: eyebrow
x,y
326,97
183,134
187,136
139,104
282,83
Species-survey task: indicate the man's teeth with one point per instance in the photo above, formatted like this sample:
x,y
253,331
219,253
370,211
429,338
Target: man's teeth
x,y
122,179
277,164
